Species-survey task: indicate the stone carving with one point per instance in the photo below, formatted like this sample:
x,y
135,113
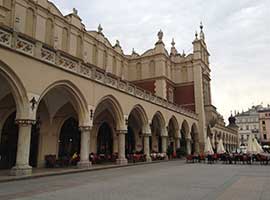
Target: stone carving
x,y
68,64
5,38
85,71
47,55
25,46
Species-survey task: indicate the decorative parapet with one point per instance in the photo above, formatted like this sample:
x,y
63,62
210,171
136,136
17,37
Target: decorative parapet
x,y
64,61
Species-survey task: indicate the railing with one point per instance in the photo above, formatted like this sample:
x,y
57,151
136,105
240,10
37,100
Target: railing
x,y
38,50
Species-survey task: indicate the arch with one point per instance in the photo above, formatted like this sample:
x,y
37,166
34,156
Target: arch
x,y
139,111
17,89
110,103
185,129
160,117
174,123
77,99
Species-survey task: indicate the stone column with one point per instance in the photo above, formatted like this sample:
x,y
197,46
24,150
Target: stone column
x,y
177,143
121,147
164,144
23,148
188,142
84,153
147,147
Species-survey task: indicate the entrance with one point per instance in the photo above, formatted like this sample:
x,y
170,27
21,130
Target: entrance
x,y
69,139
105,140
8,145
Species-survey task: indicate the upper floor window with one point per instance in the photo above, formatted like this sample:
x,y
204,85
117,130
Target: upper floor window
x,y
152,68
65,39
138,71
30,22
263,122
247,127
79,46
114,69
49,32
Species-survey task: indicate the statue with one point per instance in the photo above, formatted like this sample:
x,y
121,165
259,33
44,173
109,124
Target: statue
x,y
75,11
160,35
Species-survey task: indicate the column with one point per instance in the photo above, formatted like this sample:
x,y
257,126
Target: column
x,y
188,142
164,145
121,148
84,153
177,143
147,147
23,148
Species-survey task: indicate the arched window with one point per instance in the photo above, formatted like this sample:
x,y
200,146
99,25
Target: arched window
x,y
30,17
105,59
95,54
138,71
79,46
65,39
152,68
114,67
49,32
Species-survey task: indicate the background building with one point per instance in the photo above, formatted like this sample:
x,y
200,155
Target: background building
x,y
264,124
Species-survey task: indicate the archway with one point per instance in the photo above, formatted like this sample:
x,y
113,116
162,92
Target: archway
x,y
61,111
105,140
108,117
158,129
12,100
69,139
185,138
8,145
173,136
194,139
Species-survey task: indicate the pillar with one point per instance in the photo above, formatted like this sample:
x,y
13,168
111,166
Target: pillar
x,y
147,147
23,149
164,144
177,143
188,142
84,153
121,148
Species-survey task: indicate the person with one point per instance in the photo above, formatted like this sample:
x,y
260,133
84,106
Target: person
x,y
74,159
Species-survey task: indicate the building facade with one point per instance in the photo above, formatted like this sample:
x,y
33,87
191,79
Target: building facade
x,y
65,89
264,124
249,125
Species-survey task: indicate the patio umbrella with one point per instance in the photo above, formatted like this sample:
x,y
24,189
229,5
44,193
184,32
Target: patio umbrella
x,y
220,147
208,147
251,146
258,146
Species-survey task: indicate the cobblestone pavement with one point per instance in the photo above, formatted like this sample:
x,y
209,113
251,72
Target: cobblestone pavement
x,y
162,181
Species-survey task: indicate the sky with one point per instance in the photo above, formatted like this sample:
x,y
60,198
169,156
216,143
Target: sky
x,y
237,34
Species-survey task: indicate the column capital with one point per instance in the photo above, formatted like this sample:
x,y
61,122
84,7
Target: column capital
x,y
121,132
146,134
85,128
25,122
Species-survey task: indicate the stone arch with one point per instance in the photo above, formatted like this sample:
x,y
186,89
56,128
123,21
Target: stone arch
x,y
185,129
174,123
194,139
17,89
110,103
140,112
77,99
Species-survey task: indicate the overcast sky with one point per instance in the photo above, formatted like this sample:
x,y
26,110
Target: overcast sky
x,y
237,34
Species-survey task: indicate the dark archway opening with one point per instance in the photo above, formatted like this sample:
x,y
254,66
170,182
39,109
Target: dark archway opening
x,y
105,140
69,139
8,145
130,141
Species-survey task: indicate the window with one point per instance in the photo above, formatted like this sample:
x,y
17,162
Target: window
x,y
152,70
105,59
247,127
138,71
263,122
264,129
29,29
79,46
49,32
264,137
95,54
65,39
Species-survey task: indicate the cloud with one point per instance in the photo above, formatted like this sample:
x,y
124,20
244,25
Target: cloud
x,y
237,34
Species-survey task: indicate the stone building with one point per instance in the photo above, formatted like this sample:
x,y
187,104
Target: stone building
x,y
264,125
66,89
248,123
